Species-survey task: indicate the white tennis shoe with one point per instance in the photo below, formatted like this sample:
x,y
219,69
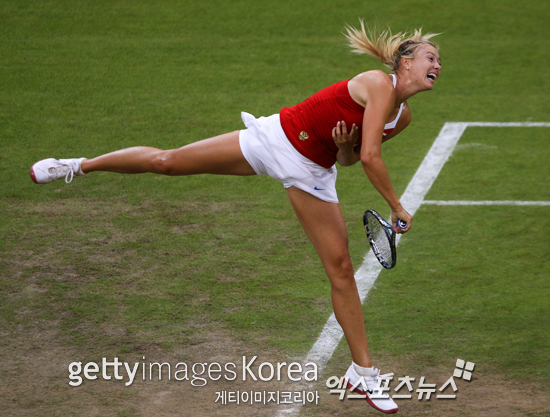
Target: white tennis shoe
x,y
371,387
49,170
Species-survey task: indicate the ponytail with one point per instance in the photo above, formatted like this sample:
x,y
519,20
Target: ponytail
x,y
385,46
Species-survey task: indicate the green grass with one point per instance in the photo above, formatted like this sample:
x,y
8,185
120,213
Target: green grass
x,y
130,265
479,277
497,164
480,292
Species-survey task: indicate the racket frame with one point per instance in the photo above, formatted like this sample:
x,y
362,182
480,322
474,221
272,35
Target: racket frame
x,y
390,235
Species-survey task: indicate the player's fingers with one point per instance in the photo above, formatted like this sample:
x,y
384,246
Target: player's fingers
x,y
344,128
399,231
354,130
408,226
395,226
405,230
401,219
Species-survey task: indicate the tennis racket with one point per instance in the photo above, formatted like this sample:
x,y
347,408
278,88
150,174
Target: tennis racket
x,y
382,237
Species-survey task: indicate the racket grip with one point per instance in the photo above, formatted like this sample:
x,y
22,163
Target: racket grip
x,y
401,224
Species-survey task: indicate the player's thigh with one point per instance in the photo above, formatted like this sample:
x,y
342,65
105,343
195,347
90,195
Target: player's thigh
x,y
218,155
325,227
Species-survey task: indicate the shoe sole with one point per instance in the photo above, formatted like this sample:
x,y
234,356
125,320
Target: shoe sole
x,y
33,177
369,401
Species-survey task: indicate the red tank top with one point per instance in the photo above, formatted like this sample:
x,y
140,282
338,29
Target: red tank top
x,y
308,125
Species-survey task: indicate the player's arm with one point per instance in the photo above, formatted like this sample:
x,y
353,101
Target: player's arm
x,y
380,101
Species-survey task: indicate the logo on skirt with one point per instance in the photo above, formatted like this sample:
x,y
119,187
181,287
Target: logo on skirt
x,y
303,135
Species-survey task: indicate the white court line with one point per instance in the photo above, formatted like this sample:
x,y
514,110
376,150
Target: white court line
x,y
486,203
412,199
510,124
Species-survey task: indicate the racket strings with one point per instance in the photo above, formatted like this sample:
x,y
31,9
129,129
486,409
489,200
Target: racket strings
x,y
380,241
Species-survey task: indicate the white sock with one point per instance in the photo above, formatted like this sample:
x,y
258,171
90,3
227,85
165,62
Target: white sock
x,y
363,371
79,172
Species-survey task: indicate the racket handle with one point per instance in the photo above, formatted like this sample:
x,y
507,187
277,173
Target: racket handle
x,y
401,224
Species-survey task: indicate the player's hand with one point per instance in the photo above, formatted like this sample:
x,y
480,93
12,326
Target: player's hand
x,y
401,213
344,140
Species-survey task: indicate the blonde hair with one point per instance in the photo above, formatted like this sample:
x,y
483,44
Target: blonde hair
x,y
385,46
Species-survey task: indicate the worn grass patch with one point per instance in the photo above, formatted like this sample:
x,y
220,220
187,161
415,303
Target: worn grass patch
x,y
113,273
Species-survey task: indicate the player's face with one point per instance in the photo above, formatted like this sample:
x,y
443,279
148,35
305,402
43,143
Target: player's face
x,y
425,68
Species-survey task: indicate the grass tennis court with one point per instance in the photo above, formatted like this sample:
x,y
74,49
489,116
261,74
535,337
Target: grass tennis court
x,y
208,269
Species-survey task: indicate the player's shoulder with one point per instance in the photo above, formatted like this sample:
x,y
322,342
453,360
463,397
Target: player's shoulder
x,y
375,78
372,84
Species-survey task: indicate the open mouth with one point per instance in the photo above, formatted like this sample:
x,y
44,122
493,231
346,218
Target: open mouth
x,y
432,77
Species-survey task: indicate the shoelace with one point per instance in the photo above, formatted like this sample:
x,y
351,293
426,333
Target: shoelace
x,y
61,170
71,173
376,376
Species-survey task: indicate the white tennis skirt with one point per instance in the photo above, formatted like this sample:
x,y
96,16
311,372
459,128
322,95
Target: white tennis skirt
x,y
267,149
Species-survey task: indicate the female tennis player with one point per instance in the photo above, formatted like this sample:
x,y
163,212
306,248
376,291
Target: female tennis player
x,y
345,123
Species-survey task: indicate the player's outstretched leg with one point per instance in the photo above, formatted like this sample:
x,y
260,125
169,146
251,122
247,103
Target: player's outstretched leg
x,y
325,227
218,155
